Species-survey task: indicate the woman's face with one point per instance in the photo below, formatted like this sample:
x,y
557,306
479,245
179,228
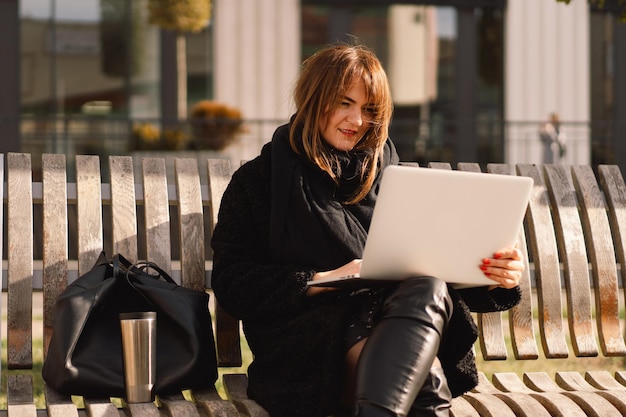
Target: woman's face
x,y
345,127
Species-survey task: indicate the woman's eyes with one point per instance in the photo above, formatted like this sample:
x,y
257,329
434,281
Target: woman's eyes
x,y
368,110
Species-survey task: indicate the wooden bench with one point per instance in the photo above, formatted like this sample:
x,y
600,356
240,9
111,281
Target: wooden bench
x,y
573,239
92,215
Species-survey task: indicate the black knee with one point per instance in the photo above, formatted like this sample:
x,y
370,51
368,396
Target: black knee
x,y
420,298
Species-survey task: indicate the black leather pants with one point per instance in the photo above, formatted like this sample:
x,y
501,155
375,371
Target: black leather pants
x,y
394,368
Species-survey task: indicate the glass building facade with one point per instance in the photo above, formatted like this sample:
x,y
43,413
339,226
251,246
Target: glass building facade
x,y
90,71
89,68
410,36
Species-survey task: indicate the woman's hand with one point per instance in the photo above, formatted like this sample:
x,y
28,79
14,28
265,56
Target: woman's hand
x,y
505,267
351,268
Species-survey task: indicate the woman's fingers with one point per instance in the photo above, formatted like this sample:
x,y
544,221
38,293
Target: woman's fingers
x,y
505,267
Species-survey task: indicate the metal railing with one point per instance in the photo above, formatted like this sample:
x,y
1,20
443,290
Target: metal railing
x,y
416,140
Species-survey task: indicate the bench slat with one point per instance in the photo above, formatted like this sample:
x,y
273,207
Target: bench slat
x,y
157,215
142,410
236,386
54,237
547,271
556,403
521,404
490,405
178,406
492,343
59,405
227,328
20,262
219,175
439,165
592,404
55,264
603,380
124,215
191,226
616,399
191,223
89,209
101,408
569,233
462,408
158,244
521,316
559,405
21,410
210,402
574,381
612,183
20,395
603,262
1,221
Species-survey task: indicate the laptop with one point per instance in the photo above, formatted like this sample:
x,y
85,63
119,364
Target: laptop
x,y
439,223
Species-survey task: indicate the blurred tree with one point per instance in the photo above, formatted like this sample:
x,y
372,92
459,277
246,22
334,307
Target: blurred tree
x,y
614,6
181,17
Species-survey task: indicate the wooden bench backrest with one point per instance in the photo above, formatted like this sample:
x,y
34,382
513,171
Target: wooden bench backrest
x,y
567,224
573,220
560,254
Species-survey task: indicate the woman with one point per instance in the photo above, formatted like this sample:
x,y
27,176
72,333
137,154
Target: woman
x,y
301,211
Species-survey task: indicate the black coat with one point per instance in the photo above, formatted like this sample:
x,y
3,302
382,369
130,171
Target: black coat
x,y
298,341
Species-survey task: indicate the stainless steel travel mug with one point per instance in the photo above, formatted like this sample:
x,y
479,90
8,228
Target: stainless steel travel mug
x,y
139,352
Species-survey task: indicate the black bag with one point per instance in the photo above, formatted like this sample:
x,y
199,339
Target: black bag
x,y
85,352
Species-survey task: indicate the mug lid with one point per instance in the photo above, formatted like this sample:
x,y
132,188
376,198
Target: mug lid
x,y
138,315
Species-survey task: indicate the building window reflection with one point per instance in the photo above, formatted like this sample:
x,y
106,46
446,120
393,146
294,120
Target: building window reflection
x,y
417,44
89,67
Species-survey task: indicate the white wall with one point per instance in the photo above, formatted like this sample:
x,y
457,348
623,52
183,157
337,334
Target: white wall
x,y
256,59
546,71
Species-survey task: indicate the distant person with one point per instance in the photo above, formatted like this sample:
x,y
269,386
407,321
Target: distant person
x,y
553,140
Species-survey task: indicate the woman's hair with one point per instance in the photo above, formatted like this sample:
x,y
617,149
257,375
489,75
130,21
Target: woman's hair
x,y
324,81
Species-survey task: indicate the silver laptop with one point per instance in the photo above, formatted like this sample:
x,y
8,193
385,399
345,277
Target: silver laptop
x,y
440,223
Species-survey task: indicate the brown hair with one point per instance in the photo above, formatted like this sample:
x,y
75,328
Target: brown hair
x,y
324,80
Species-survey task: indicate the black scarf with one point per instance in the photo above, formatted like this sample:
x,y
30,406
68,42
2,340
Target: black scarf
x,y
309,225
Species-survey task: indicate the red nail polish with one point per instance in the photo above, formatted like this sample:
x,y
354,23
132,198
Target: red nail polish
x,y
487,274
486,261
497,255
483,267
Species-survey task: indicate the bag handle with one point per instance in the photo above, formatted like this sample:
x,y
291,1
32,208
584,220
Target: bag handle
x,y
144,265
123,267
